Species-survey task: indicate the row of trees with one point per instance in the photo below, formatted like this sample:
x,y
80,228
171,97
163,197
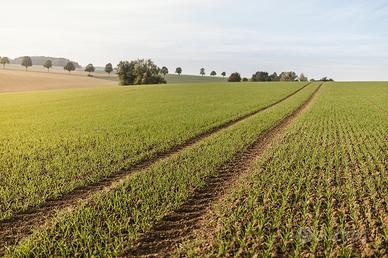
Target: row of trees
x,y
284,76
164,70
27,62
266,77
144,71
89,68
212,73
178,70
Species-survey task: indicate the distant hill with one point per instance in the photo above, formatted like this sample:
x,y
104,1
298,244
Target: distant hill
x,y
40,60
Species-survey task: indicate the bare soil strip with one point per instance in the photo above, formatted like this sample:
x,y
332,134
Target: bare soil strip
x,y
162,239
22,224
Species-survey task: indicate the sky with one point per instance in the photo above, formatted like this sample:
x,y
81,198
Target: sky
x,y
342,39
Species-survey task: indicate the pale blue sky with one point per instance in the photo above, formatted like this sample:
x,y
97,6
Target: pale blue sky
x,y
344,39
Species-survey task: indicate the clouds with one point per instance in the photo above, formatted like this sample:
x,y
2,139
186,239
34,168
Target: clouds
x,y
245,35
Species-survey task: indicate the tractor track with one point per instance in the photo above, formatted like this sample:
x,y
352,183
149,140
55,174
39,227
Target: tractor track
x,y
22,224
166,235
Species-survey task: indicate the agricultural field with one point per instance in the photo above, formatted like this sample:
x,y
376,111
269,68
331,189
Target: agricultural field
x,y
173,78
321,188
202,170
55,141
193,129
16,81
184,78
100,74
165,185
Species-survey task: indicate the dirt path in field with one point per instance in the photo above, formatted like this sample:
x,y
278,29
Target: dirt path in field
x,y
22,224
179,225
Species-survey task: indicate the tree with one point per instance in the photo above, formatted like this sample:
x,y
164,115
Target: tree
x,y
108,68
48,64
202,71
164,70
213,73
90,69
288,76
234,77
245,79
69,67
261,77
4,61
178,70
26,62
223,74
274,77
325,79
141,71
303,78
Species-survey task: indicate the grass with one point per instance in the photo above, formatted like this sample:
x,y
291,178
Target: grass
x,y
175,79
321,190
52,142
109,224
184,78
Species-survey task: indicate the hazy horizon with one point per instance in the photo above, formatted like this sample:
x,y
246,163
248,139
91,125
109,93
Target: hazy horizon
x,y
339,39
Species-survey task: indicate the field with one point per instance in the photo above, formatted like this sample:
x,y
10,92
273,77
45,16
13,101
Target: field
x,y
15,80
98,74
198,169
184,78
174,78
321,189
55,141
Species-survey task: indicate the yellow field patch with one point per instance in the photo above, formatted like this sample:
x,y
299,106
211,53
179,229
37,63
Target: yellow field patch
x,y
13,81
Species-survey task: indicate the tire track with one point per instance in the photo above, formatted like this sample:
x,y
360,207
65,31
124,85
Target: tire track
x,y
23,223
162,239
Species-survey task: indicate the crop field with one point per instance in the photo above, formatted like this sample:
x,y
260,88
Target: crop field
x,y
321,189
16,81
55,141
173,78
184,78
201,169
100,74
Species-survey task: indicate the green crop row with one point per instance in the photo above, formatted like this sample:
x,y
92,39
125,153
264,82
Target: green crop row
x,y
320,190
114,220
52,142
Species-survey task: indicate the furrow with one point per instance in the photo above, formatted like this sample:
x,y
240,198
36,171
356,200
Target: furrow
x,y
23,223
157,243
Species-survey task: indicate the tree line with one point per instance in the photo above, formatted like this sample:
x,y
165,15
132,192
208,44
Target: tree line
x,y
145,71
261,76
48,64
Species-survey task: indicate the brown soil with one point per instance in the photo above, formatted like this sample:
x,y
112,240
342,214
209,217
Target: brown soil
x,y
163,238
22,224
16,81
